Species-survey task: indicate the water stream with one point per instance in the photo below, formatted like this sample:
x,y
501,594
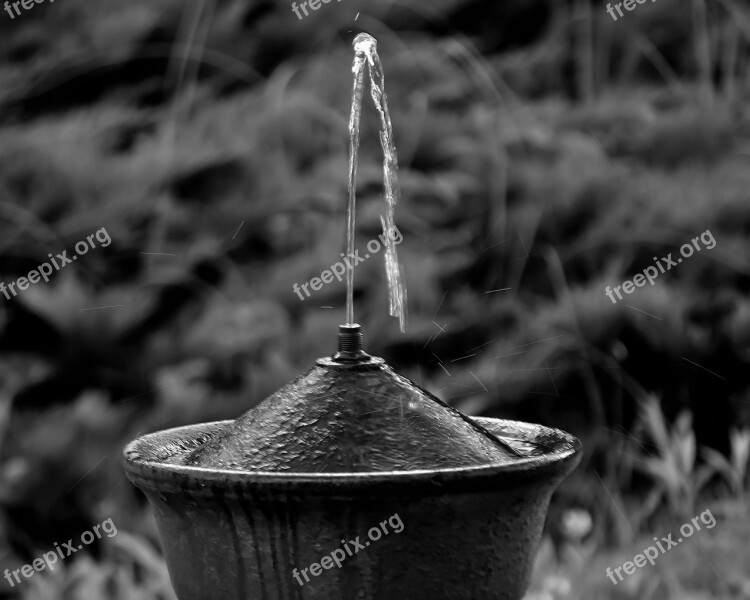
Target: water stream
x,y
366,57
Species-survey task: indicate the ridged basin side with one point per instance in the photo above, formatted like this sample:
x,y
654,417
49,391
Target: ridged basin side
x,y
469,534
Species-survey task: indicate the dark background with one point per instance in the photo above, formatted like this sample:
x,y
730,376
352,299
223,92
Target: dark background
x,y
543,148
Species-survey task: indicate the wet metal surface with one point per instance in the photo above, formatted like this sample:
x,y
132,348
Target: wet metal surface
x,y
351,417
470,533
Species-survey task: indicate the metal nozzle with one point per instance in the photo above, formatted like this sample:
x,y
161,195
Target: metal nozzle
x,y
350,344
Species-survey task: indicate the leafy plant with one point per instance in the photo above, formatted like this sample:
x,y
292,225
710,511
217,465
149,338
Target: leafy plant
x,y
673,467
734,468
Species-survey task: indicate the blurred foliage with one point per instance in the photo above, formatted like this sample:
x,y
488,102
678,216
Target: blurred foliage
x,y
544,148
673,466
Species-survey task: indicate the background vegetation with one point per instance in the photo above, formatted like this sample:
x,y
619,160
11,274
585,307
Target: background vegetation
x,y
544,148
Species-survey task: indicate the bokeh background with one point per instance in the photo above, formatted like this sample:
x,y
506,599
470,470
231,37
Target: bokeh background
x,y
545,150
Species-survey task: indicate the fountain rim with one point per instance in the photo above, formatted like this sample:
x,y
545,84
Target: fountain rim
x,y
160,476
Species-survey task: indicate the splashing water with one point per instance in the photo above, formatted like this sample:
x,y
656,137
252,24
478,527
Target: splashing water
x,y
366,56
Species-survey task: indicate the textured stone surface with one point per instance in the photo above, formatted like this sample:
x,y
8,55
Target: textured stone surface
x,y
342,417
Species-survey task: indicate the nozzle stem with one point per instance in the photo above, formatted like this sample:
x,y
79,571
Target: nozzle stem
x,y
350,344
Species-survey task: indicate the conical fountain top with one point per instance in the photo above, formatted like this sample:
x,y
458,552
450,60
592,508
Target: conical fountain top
x,y
350,413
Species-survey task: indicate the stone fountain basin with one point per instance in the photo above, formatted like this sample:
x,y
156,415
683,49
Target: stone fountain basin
x,y
469,533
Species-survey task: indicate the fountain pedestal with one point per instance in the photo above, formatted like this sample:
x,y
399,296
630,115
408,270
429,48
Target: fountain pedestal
x,y
243,507
240,505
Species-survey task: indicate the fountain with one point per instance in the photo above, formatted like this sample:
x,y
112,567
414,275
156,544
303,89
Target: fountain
x,y
281,503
